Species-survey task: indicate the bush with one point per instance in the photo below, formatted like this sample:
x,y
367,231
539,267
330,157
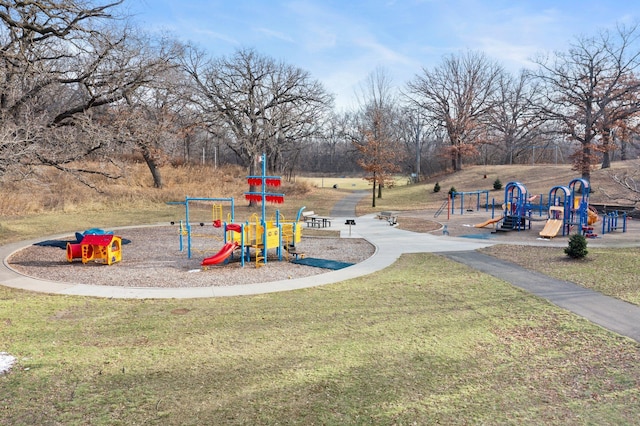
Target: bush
x,y
497,184
436,187
452,190
577,248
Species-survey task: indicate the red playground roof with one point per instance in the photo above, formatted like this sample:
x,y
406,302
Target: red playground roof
x,y
98,240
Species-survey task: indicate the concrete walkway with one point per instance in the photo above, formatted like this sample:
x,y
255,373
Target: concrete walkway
x,y
346,207
608,312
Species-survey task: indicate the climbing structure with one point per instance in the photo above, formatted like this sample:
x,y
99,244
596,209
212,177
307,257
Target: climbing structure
x,y
515,207
258,234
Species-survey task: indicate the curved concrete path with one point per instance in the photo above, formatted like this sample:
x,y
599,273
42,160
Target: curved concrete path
x,y
389,242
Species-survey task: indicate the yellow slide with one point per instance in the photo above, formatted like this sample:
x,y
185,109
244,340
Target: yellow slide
x,y
488,222
551,228
592,215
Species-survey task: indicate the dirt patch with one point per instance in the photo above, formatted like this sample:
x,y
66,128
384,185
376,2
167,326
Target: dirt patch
x,y
417,224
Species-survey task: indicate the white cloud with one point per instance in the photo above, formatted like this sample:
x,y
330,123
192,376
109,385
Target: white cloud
x,y
380,53
203,34
274,34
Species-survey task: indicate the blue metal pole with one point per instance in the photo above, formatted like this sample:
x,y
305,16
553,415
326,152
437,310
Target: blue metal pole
x,y
242,245
186,210
453,200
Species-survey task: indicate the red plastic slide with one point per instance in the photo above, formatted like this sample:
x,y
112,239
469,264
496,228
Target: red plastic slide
x,y
222,255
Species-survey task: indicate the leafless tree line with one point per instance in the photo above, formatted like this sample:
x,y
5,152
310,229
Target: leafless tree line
x,y
79,81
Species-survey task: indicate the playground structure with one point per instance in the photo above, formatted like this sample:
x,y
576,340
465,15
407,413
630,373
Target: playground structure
x,y
257,235
186,226
102,248
567,208
461,196
611,222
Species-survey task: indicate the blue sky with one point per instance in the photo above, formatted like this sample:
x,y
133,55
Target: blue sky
x,y
341,42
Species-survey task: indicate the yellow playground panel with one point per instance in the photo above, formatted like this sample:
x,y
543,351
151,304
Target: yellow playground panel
x,y
278,235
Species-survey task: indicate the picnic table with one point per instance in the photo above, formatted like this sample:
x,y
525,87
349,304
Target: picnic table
x,y
314,220
319,221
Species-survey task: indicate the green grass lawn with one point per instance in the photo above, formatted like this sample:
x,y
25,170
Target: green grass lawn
x,y
392,348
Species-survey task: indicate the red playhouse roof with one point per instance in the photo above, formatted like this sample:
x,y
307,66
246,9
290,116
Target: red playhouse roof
x,y
98,240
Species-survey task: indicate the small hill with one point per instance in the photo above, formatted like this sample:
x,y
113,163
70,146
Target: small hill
x,y
539,179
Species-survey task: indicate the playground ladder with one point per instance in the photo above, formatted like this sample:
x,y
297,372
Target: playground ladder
x,y
216,212
259,256
442,207
260,253
287,239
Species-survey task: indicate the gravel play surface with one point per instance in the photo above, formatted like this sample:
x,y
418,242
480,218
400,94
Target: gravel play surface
x,y
152,259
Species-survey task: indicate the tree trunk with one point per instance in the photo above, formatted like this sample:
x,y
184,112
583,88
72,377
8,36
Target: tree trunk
x,y
373,201
380,185
153,167
606,160
586,162
606,147
456,159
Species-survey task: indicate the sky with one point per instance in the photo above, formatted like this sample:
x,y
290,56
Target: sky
x,y
342,42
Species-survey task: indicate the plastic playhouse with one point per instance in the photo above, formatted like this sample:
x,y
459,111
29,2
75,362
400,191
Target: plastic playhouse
x,y
100,248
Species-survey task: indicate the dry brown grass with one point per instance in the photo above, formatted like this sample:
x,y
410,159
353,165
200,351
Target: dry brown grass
x,y
49,190
538,179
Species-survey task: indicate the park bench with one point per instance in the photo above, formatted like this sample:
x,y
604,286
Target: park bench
x,y
391,217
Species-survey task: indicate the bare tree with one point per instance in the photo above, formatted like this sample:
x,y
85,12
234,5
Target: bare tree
x,y
457,96
256,100
338,155
148,129
379,160
61,60
412,130
590,87
377,143
515,123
